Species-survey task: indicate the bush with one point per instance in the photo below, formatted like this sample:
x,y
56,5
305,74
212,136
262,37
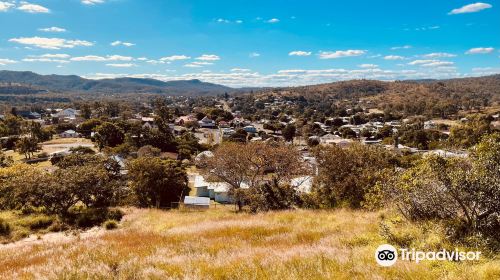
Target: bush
x,y
57,226
86,218
461,192
110,225
40,222
4,228
90,217
115,214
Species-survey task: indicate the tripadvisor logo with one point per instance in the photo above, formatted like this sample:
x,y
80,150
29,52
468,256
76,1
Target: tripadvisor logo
x,y
387,255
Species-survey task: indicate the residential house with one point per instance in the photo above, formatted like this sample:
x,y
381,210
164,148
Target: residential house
x,y
206,122
69,134
185,119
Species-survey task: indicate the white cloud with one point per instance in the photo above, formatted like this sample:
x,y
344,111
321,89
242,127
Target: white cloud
x,y
471,8
480,51
209,57
295,77
57,55
240,70
51,43
299,53
431,63
254,54
53,58
393,57
92,2
120,43
192,65
175,58
339,54
439,55
52,29
402,47
273,20
32,8
102,58
368,66
5,6
5,61
239,21
483,71
121,65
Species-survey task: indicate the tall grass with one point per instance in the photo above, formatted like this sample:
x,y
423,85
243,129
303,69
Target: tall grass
x,y
219,244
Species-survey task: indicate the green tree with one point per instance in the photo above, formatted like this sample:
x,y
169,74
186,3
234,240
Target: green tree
x,y
157,182
109,135
27,146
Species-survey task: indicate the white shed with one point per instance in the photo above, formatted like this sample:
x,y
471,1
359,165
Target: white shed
x,y
197,202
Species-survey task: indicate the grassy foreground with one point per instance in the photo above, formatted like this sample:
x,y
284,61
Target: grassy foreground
x,y
219,244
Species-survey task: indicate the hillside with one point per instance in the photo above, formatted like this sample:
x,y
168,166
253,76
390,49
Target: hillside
x,y
72,83
489,85
220,244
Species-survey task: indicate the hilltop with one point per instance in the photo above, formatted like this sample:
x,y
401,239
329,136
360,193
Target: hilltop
x,y
72,83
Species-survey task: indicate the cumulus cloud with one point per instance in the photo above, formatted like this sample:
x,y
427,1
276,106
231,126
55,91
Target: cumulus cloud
x,y
299,53
339,54
295,77
394,57
51,43
192,65
209,57
439,55
175,58
273,20
120,43
240,70
431,63
480,51
402,47
367,66
5,6
471,8
121,65
52,58
254,54
102,58
52,29
32,8
5,61
92,2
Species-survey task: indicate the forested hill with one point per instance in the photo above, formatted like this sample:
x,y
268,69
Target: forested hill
x,y
60,83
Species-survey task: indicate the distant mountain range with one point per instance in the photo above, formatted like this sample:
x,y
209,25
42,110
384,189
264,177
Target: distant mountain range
x,y
15,81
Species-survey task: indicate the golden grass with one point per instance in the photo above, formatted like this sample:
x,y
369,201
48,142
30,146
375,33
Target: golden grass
x,y
220,244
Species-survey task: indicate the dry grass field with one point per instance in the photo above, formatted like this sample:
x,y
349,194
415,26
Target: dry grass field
x,y
220,244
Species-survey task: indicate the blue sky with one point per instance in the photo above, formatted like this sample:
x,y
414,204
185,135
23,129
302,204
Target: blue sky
x,y
252,43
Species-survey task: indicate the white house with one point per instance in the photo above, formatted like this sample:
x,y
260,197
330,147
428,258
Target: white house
x,y
69,113
69,134
206,122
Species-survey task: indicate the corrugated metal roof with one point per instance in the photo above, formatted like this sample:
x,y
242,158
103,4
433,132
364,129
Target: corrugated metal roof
x,y
192,200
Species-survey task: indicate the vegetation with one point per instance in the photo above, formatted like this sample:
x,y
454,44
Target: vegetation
x,y
219,244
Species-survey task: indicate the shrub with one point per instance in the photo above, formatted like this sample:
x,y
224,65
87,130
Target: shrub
x,y
4,228
42,222
90,217
461,192
110,224
57,226
115,214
